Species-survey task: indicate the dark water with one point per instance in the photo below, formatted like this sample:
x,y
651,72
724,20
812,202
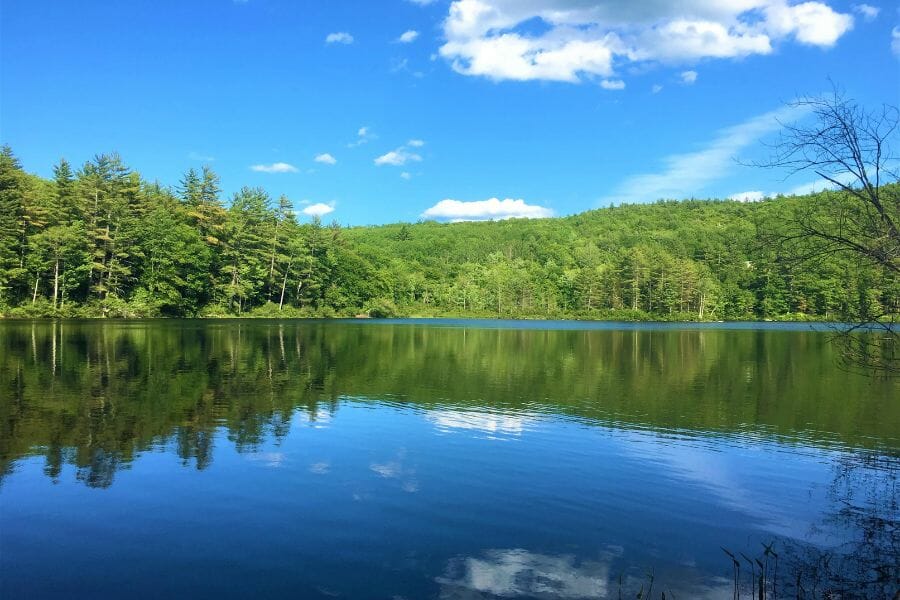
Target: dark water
x,y
416,460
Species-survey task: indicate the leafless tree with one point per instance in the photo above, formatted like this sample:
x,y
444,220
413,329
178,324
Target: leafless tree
x,y
849,146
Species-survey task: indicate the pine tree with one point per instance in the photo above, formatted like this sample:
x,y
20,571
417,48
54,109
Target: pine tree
x,y
245,256
12,220
189,188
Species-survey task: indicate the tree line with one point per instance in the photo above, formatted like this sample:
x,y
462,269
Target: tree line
x,y
101,240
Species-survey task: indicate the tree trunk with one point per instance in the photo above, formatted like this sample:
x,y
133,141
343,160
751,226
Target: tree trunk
x,y
55,282
284,283
94,234
34,295
272,262
635,292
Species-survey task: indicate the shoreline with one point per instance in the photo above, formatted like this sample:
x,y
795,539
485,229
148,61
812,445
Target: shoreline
x,y
484,322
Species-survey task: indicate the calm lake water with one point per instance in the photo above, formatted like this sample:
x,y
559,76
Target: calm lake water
x,y
431,459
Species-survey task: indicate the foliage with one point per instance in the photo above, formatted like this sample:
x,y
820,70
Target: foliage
x,y
103,241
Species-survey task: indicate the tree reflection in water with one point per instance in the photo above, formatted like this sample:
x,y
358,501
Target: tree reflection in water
x,y
97,396
864,505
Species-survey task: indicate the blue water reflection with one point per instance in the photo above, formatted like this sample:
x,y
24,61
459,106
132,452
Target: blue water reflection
x,y
273,476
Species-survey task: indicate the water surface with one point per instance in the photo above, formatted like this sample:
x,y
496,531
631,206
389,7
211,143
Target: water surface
x,y
422,459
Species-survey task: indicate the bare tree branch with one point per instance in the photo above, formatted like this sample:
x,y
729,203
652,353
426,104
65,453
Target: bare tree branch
x,y
850,147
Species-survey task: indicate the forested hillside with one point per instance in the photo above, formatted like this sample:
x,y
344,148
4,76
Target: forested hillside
x,y
101,240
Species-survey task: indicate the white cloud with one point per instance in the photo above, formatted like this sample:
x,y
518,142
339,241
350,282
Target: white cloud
x,y
339,37
415,143
326,158
405,175
397,158
656,88
750,196
685,175
819,185
811,23
580,39
422,2
485,210
688,77
895,41
402,66
808,188
279,167
408,36
867,11
363,136
319,209
612,84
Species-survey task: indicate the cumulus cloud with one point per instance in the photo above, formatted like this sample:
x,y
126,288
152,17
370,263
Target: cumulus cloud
x,y
408,36
867,11
326,159
749,196
688,77
406,175
339,37
684,175
279,167
612,84
656,88
402,155
319,209
485,210
397,158
895,41
579,39
810,23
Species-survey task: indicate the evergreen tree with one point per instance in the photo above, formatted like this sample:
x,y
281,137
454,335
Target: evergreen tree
x,y
12,221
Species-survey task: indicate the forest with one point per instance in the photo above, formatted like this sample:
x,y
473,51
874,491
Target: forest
x,y
101,240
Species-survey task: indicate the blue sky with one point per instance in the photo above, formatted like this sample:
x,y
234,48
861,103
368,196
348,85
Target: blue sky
x,y
549,106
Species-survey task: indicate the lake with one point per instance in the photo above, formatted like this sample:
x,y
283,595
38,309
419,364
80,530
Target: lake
x,y
438,459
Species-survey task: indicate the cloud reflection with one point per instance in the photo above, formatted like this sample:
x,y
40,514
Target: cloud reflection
x,y
395,469
517,572
268,459
492,423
